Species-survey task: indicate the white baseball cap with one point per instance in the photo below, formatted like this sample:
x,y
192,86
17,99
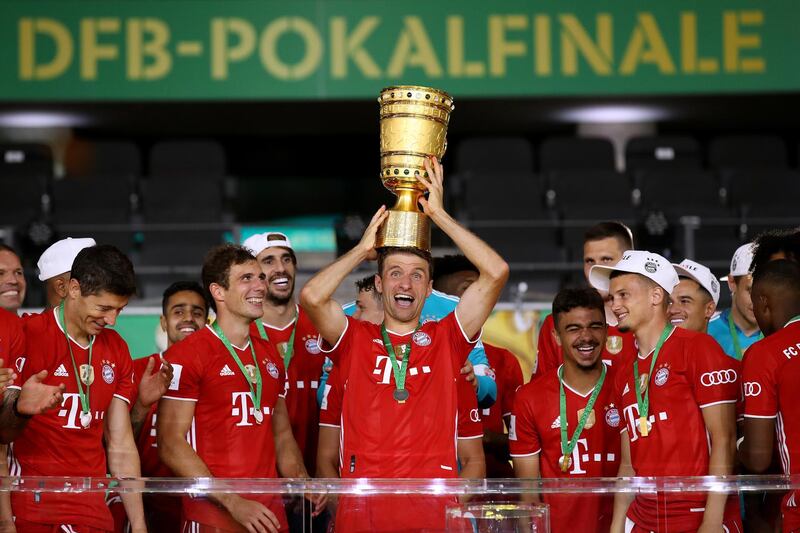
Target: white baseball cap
x,y
58,258
648,264
261,241
701,274
740,264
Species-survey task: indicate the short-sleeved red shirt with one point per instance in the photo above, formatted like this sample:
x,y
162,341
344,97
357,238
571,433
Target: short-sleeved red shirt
x,y
691,373
536,430
224,432
54,443
770,378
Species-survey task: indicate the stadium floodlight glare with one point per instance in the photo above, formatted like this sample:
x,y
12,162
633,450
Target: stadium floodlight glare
x,y
40,119
616,113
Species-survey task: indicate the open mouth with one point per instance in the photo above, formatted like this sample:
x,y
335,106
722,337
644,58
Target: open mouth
x,y
404,301
255,300
586,349
187,328
280,282
622,316
13,293
677,320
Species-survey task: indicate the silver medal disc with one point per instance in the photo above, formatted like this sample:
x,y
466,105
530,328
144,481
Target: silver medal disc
x,y
400,395
86,419
259,416
561,462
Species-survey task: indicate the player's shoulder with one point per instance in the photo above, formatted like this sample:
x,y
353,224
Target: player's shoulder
x,y
541,386
438,305
304,323
7,317
718,324
38,323
196,343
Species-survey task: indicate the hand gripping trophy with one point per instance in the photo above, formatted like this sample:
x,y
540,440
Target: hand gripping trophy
x,y
413,127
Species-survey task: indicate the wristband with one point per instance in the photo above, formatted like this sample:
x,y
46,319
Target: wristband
x,y
17,413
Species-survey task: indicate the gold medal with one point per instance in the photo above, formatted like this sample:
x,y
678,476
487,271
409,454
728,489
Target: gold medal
x,y
590,420
565,463
251,373
614,344
644,428
87,374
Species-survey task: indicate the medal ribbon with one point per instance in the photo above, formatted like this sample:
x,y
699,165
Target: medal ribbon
x,y
643,401
287,357
254,395
83,395
737,347
398,369
567,447
793,320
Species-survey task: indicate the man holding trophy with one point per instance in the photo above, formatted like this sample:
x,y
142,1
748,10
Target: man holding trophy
x,y
399,411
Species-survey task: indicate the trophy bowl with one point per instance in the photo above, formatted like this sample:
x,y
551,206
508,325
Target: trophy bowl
x,y
413,122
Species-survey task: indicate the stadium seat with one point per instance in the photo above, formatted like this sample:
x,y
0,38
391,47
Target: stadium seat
x,y
25,174
747,151
764,192
495,154
590,195
678,192
185,187
576,153
668,152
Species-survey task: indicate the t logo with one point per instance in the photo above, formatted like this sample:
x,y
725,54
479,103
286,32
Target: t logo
x,y
71,407
242,407
383,368
576,456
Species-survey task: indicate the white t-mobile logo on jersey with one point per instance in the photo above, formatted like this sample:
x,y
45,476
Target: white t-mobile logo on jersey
x,y
243,408
576,456
71,410
383,368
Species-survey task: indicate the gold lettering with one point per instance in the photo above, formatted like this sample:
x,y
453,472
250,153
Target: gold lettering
x,y
414,49
541,25
457,66
91,50
734,41
690,62
646,46
221,53
28,30
155,48
574,38
269,48
345,46
499,47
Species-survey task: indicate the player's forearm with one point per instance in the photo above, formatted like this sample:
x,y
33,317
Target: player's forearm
x,y
327,465
622,501
319,290
11,423
723,451
123,462
6,514
490,265
288,457
472,466
139,414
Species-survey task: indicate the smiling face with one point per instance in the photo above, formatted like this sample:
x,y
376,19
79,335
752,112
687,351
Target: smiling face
x,y
93,312
607,252
404,284
12,281
691,307
581,333
245,293
634,300
186,313
279,268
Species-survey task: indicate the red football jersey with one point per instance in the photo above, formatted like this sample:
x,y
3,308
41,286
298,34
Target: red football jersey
x,y
54,443
536,429
692,372
548,354
769,380
147,441
224,432
382,438
508,376
469,420
302,382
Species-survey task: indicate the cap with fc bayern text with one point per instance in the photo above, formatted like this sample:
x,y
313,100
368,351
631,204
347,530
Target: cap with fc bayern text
x,y
740,263
58,258
261,241
701,274
647,264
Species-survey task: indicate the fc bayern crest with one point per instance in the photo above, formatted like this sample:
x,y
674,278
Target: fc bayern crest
x,y
421,338
108,374
312,346
272,370
662,375
651,267
612,417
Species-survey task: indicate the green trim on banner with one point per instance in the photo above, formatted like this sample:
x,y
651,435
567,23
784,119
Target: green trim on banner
x,y
74,50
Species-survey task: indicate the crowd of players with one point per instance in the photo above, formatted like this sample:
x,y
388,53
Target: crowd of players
x,y
636,375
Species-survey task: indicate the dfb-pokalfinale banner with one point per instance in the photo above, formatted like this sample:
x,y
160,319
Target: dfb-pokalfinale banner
x,y
73,50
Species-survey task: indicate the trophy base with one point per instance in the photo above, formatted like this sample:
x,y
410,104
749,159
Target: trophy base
x,y
405,229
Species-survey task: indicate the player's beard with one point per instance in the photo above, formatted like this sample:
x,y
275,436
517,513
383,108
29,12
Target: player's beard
x,y
276,300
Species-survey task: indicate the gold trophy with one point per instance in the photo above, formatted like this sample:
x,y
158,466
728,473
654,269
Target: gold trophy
x,y
413,127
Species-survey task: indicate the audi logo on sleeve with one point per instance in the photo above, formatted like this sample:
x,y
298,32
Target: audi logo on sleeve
x,y
719,377
751,388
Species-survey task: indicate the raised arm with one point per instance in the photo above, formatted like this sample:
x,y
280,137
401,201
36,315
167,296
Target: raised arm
x,y
317,295
480,298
